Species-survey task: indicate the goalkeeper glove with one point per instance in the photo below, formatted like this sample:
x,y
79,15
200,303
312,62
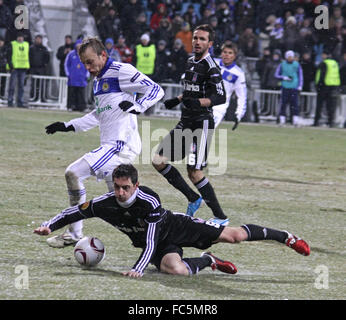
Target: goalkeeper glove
x,y
129,107
58,126
171,103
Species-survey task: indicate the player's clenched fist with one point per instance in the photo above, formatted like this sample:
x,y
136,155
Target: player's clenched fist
x,y
58,126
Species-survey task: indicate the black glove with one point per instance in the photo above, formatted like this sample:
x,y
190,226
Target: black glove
x,y
129,107
193,104
236,122
171,103
58,126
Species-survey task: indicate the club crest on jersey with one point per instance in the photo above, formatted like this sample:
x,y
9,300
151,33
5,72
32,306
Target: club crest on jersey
x,y
105,87
85,205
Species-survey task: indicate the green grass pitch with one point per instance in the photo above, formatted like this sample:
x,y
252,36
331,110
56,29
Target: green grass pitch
x,y
285,178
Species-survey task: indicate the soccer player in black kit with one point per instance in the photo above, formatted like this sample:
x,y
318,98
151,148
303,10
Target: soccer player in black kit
x,y
136,211
203,88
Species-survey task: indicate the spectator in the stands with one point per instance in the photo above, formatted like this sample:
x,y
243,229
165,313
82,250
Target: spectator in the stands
x,y
191,16
3,65
112,52
309,70
19,64
185,35
276,36
164,32
178,60
129,14
145,56
62,52
177,23
291,34
109,25
205,16
244,14
102,10
77,80
261,64
5,19
163,65
270,82
134,31
125,52
39,60
248,43
160,13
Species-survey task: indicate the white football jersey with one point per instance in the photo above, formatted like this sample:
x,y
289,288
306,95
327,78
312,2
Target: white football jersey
x,y
234,81
119,82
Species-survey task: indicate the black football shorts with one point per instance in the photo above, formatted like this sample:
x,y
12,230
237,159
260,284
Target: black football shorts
x,y
190,140
186,231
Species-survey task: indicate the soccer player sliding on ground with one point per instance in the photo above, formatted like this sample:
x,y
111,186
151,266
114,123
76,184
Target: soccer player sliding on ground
x,y
136,211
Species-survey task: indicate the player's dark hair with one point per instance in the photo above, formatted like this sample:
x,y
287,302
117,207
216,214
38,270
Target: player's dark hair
x,y
126,171
207,28
92,42
230,45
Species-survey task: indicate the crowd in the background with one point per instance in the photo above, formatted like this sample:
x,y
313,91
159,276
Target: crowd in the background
x,y
162,30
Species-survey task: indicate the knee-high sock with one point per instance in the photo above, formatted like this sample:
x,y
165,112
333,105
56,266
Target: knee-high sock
x,y
177,181
257,233
74,175
194,265
209,197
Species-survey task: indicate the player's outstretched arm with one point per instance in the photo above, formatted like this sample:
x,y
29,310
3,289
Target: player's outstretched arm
x,y
58,126
42,231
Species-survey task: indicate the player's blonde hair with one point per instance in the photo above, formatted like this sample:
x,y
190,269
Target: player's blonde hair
x,y
92,42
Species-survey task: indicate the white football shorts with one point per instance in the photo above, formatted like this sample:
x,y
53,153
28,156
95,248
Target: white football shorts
x,y
104,159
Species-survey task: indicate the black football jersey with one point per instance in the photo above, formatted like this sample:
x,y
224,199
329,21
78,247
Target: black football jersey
x,y
144,221
202,79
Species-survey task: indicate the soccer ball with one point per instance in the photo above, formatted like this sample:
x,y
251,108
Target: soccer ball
x,y
89,251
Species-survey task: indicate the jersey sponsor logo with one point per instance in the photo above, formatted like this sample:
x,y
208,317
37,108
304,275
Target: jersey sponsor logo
x,y
191,87
102,109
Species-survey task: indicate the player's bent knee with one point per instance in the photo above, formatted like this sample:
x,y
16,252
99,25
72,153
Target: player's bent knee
x,y
171,263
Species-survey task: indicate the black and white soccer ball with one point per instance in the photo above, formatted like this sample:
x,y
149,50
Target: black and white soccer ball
x,y
89,251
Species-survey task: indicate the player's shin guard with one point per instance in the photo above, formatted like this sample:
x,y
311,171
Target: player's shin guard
x,y
257,233
177,181
209,197
194,265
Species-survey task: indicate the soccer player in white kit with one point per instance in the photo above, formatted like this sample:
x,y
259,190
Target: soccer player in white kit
x,y
234,81
115,86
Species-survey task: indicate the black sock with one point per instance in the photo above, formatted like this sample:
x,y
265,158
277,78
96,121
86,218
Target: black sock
x,y
257,233
194,265
177,181
209,197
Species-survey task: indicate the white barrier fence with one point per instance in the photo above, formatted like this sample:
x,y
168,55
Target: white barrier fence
x,y
263,105
39,91
266,106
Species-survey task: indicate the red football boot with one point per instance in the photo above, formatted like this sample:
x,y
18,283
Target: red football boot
x,y
298,244
221,265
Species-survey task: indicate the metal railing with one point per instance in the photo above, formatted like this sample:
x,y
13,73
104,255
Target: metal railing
x,y
263,105
266,106
39,91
